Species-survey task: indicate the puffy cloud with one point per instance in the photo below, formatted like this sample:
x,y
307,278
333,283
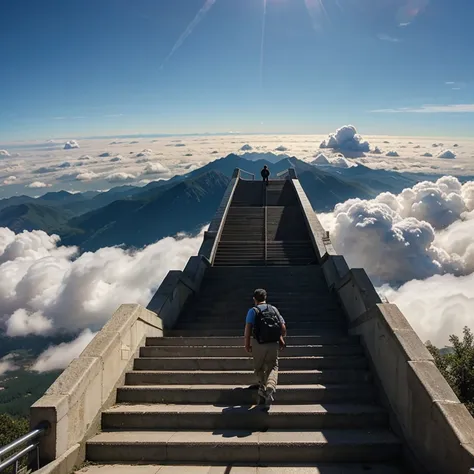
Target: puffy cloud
x,y
336,161
71,144
394,236
147,151
4,154
10,180
392,153
143,160
65,164
281,148
346,140
38,184
7,365
156,168
447,155
87,176
246,147
118,177
45,287
22,323
59,357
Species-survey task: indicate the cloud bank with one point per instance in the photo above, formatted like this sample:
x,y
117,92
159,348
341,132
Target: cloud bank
x,y
418,247
46,287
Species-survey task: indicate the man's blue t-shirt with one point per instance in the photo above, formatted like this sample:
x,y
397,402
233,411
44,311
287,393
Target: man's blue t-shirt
x,y
252,313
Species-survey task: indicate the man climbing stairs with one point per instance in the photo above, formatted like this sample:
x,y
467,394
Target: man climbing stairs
x,y
190,398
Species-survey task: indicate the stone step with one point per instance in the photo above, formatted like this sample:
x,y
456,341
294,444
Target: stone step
x,y
319,468
332,330
309,327
245,363
244,446
197,377
237,315
246,395
250,417
224,351
237,341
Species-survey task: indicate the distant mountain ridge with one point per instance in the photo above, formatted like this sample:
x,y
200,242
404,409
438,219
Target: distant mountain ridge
x,y
138,216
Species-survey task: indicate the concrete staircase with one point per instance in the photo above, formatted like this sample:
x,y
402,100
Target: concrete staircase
x,y
189,400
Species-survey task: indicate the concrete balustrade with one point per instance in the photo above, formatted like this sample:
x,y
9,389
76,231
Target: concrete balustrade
x,y
73,404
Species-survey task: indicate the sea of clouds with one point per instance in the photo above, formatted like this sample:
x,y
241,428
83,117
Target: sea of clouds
x,y
416,246
47,288
37,167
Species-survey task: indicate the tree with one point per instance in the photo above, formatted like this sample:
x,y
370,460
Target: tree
x,y
457,366
10,430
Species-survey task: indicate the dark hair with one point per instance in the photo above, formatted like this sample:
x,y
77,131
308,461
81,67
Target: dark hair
x,y
260,294
264,166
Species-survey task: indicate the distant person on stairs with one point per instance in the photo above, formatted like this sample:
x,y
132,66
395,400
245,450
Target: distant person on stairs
x,y
265,174
268,328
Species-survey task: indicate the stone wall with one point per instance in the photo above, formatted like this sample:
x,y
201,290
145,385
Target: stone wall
x,y
73,404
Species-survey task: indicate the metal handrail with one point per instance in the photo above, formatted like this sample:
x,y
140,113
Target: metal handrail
x,y
32,438
247,172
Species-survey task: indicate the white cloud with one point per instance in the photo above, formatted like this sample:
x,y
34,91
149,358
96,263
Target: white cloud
x,y
336,161
447,155
87,176
38,184
58,357
392,153
10,180
4,154
6,365
45,287
346,140
419,242
71,144
156,168
118,177
431,109
385,37
22,323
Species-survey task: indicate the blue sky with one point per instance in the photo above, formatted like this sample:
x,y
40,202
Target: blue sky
x,y
98,67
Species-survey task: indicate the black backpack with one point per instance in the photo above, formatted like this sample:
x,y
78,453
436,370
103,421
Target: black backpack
x,y
267,327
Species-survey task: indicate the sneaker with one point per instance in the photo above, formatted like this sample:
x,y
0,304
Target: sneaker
x,y
269,398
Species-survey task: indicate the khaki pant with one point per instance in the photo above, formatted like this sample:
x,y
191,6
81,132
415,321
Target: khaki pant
x,y
265,360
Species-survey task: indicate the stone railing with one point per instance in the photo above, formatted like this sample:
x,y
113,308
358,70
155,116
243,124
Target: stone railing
x,y
178,286
73,404
437,429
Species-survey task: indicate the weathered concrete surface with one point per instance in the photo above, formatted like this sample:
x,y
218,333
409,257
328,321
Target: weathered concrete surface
x,y
212,236
66,463
322,243
73,404
231,469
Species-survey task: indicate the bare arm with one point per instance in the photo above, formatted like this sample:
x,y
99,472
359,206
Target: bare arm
x,y
247,335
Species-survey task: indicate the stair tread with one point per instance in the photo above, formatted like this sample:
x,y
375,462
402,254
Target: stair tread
x,y
356,437
345,386
318,468
336,408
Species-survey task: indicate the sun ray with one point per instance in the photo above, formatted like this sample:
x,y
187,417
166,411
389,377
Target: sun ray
x,y
187,32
